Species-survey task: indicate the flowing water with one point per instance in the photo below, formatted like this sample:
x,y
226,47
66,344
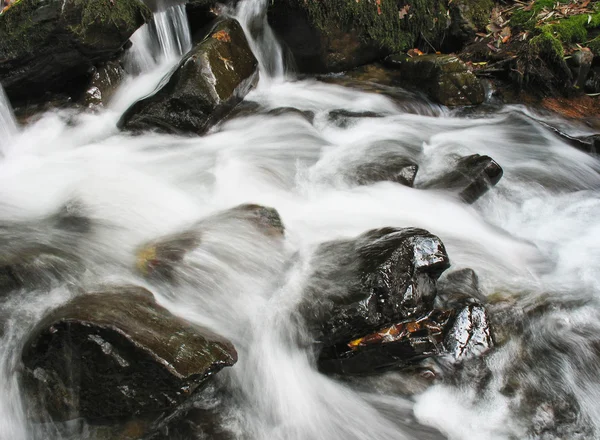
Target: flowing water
x,y
534,241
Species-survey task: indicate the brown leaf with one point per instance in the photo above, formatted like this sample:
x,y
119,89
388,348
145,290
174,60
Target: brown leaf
x,y
402,12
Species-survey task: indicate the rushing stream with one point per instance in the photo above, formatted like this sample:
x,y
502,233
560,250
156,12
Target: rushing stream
x,y
533,240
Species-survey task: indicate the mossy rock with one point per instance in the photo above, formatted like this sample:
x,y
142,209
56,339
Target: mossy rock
x,y
208,82
445,78
50,42
467,18
117,353
337,35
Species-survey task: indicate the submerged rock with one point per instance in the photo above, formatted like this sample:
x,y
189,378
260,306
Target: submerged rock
x,y
46,43
117,353
471,177
445,78
160,259
208,82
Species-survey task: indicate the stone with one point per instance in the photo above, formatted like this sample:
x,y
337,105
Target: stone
x,y
103,84
48,43
208,82
470,335
459,288
444,78
467,17
580,64
359,286
161,258
471,177
116,353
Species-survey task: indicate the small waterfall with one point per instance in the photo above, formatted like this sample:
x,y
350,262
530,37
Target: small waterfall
x,y
164,40
8,124
252,15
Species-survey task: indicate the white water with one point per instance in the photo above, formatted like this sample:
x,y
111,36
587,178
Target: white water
x,y
534,238
8,125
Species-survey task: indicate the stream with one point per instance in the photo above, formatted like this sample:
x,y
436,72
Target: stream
x,y
533,241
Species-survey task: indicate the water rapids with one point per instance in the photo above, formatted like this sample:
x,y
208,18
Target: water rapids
x,y
533,240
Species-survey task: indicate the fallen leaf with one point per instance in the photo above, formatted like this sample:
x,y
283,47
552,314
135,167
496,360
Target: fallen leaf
x,y
402,12
222,36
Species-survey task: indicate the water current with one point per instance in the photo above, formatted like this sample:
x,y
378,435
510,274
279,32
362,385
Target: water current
x,y
533,240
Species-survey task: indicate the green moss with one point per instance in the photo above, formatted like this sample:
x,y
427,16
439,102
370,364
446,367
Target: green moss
x,y
479,11
575,28
381,23
547,47
20,31
98,14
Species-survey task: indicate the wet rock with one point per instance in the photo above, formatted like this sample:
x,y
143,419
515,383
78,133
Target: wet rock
x,y
45,44
105,80
38,268
160,259
305,114
459,288
117,353
445,78
360,286
470,335
580,64
342,118
339,35
396,169
399,345
208,82
471,177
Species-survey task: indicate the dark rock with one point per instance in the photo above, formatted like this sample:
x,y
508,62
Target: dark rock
x,y
359,286
580,64
397,168
470,335
445,78
208,82
105,81
399,345
305,114
471,177
459,288
160,258
117,353
45,44
467,17
339,35
342,118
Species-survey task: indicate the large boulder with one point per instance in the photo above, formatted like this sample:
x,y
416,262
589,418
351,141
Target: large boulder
x,y
46,43
117,353
360,286
208,82
338,35
445,78
470,177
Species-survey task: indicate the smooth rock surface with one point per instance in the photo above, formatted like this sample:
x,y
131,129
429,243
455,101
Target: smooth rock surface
x,y
47,43
117,353
208,82
445,78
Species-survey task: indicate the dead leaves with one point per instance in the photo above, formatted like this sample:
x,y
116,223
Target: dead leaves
x,y
403,12
222,36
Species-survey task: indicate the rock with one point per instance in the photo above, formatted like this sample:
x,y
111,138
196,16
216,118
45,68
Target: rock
x,y
393,168
160,259
580,64
339,35
357,287
47,43
117,353
105,81
459,288
342,118
208,82
467,17
470,335
471,177
445,78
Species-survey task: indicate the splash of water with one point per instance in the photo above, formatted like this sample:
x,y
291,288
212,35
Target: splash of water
x,y
8,124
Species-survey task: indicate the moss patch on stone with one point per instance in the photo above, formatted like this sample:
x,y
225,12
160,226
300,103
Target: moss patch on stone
x,y
380,20
20,31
